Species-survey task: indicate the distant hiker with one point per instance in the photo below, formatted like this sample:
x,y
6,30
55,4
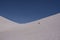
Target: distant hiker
x,y
39,23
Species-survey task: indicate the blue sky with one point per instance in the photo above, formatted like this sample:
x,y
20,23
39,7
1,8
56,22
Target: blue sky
x,y
23,11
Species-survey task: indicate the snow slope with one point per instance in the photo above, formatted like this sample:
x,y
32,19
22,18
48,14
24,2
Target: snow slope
x,y
44,29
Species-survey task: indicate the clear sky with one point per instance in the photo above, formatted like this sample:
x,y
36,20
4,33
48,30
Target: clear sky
x,y
23,11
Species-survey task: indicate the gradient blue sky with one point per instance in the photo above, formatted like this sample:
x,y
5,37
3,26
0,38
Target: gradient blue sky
x,y
23,11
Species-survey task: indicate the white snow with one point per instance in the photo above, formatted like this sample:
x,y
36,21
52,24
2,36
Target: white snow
x,y
44,29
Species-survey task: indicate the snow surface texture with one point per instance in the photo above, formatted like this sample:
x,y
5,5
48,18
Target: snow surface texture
x,y
45,29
